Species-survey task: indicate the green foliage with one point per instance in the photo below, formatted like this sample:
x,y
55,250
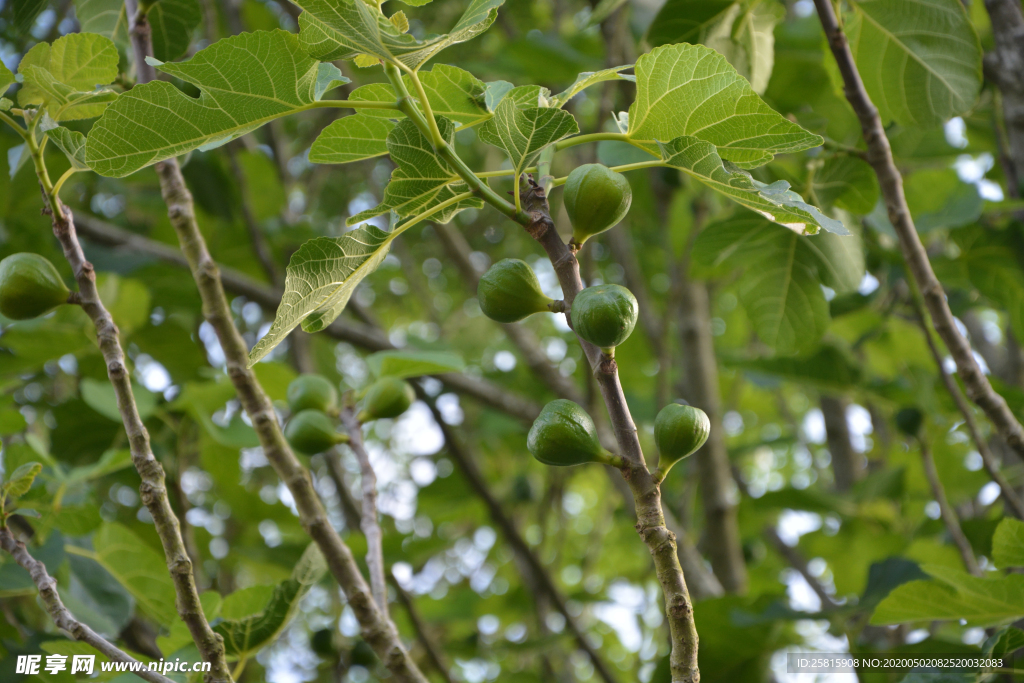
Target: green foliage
x,y
62,77
172,23
406,364
952,594
1008,544
522,132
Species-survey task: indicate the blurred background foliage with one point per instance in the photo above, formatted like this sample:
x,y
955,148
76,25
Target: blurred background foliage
x,y
832,505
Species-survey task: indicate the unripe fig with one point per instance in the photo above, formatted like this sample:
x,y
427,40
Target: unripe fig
x,y
909,421
29,286
312,392
509,291
596,198
387,397
604,315
311,432
563,434
678,432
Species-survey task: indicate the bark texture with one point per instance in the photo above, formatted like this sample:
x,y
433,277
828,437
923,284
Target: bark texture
x,y
847,467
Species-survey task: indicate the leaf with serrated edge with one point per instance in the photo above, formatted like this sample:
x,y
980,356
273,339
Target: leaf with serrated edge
x,y
589,78
692,90
523,133
776,201
422,179
245,81
172,23
920,59
341,29
72,143
1008,544
352,138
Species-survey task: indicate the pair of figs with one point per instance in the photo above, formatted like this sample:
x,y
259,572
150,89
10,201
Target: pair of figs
x,y
30,286
313,400
604,315
564,434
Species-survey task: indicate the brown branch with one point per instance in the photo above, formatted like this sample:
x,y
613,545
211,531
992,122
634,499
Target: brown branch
x,y
949,517
378,631
60,614
880,157
646,492
153,487
369,522
846,462
466,461
1005,67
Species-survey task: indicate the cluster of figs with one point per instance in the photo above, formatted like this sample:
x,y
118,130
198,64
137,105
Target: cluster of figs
x,y
313,403
596,198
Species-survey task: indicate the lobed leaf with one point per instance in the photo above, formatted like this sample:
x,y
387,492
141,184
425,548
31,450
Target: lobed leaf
x,y
691,90
523,133
245,81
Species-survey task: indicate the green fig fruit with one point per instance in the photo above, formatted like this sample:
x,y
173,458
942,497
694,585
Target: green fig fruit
x,y
596,198
678,432
311,432
387,397
563,434
509,291
312,392
909,421
29,286
604,315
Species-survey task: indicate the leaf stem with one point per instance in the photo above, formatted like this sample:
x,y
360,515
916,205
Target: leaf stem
x,y
60,181
589,137
435,133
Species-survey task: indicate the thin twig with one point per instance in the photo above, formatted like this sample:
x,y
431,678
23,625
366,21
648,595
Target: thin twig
x,y
949,517
890,181
377,629
60,614
369,522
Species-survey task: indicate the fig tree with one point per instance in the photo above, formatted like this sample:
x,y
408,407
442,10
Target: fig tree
x,y
509,291
312,392
596,198
678,432
387,397
312,431
563,434
604,315
29,286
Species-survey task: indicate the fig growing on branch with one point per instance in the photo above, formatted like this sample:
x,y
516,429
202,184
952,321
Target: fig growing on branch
x,y
311,432
312,392
604,315
509,291
596,198
387,397
563,434
678,432
29,286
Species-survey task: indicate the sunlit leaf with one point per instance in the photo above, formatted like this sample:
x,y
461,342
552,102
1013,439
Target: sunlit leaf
x,y
63,77
352,138
523,133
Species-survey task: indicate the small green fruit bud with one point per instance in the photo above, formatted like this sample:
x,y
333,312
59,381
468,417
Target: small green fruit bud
x,y
509,291
563,434
596,198
29,286
387,397
312,392
311,432
909,421
678,432
604,315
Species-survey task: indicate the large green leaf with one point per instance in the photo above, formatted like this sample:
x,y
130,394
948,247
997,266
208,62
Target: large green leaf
x,y
172,23
137,567
691,90
847,182
781,285
952,594
63,77
920,59
343,29
246,634
245,81
422,180
775,202
1008,544
352,138
523,133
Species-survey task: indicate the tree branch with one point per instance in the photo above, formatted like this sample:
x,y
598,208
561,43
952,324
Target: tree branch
x,y
1005,66
153,487
378,631
880,157
369,522
60,614
949,517
846,467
